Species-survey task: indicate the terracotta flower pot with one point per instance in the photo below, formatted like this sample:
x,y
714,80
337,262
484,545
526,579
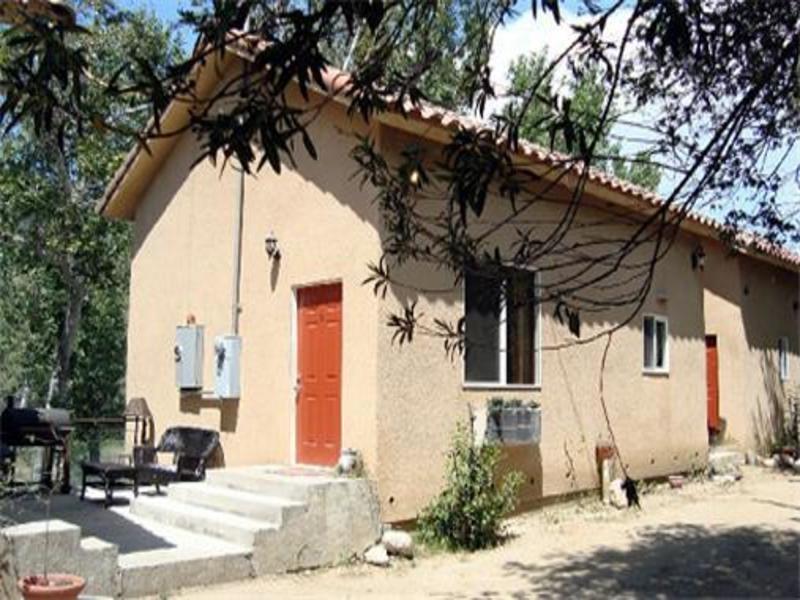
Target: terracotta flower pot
x,y
57,586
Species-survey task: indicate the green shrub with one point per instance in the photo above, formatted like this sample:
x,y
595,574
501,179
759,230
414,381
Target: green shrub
x,y
468,514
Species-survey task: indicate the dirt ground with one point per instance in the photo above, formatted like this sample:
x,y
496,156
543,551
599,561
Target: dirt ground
x,y
707,539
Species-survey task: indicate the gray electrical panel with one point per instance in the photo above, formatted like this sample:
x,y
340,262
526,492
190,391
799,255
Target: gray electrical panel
x,y
227,363
189,357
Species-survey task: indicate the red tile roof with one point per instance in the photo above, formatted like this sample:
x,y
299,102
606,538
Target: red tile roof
x,y
337,83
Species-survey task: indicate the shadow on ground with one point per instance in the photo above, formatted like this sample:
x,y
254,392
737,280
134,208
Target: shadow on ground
x,y
673,561
677,561
92,518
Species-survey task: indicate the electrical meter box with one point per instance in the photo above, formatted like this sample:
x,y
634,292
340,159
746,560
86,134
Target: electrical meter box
x,y
227,366
189,357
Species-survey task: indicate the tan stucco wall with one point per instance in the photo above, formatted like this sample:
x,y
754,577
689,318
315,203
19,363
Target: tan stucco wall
x,y
400,405
748,306
182,264
659,420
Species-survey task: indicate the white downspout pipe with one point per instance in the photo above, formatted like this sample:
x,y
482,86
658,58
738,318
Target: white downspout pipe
x,y
238,223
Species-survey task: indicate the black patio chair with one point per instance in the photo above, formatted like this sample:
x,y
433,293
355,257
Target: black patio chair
x,y
191,447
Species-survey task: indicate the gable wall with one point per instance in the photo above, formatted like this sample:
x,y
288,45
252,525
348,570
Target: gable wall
x,y
183,264
748,306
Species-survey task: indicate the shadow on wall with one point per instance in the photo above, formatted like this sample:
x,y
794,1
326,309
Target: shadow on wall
x,y
770,415
228,409
764,294
527,460
672,561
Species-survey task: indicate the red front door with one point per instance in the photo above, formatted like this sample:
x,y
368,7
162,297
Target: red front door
x,y
319,374
712,382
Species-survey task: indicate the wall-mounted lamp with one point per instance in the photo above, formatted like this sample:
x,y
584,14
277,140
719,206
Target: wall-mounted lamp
x,y
698,258
271,247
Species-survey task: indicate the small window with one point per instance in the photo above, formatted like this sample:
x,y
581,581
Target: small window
x,y
783,358
502,330
656,344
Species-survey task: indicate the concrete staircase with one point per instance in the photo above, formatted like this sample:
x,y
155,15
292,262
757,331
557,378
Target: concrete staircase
x,y
267,519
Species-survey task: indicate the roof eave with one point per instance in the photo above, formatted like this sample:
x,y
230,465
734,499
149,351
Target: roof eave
x,y
430,122
142,162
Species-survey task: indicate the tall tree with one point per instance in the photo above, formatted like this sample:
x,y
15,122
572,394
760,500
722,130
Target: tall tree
x,y
445,49
63,296
588,98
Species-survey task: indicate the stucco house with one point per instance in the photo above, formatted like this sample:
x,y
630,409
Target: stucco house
x,y
319,371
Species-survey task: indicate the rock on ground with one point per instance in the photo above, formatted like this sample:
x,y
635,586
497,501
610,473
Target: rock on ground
x,y
377,556
398,542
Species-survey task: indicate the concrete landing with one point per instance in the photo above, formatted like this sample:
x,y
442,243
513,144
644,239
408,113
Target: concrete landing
x,y
274,519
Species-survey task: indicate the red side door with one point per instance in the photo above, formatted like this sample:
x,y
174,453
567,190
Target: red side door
x,y
319,374
712,382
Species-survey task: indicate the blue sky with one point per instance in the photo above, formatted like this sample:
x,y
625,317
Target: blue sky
x,y
165,9
168,9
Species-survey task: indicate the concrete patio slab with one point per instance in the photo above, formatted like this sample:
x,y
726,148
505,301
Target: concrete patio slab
x,y
239,523
152,556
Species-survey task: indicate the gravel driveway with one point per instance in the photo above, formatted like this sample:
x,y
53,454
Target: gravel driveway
x,y
707,539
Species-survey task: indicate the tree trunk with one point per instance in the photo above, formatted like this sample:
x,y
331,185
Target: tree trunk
x,y
62,371
76,290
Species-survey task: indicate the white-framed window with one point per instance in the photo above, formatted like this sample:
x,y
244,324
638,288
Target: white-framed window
x,y
656,344
502,331
783,358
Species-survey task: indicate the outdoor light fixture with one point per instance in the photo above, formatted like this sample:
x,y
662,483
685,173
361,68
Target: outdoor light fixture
x,y
698,258
15,12
271,247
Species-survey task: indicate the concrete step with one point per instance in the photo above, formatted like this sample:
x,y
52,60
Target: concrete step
x,y
273,509
726,453
159,572
99,564
267,482
725,460
233,528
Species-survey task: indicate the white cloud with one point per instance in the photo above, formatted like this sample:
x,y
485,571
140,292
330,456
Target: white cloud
x,y
525,35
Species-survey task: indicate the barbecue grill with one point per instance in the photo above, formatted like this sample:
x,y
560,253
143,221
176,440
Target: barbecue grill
x,y
36,428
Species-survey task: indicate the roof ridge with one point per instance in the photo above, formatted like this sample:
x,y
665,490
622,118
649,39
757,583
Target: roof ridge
x,y
336,81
